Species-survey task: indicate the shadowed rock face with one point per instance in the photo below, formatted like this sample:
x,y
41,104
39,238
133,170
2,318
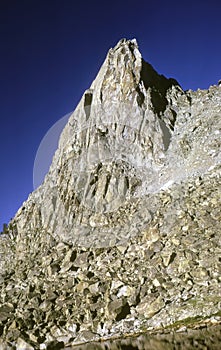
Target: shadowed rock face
x,y
123,236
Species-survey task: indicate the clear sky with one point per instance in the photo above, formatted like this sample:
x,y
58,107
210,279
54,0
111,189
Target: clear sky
x,y
51,50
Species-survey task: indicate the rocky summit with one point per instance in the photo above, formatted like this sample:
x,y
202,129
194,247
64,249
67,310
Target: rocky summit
x,y
123,236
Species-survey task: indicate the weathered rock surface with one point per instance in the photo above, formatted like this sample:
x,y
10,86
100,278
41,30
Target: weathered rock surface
x,y
124,234
189,339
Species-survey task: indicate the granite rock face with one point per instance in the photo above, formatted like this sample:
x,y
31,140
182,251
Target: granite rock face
x,y
124,234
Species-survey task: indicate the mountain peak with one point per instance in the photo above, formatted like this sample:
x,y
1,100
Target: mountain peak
x,y
125,74
110,151
130,44
121,69
123,235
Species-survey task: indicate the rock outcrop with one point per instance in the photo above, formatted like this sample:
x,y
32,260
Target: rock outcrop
x,y
124,234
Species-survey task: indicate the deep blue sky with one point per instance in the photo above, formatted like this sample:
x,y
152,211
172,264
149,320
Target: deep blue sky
x,y
51,50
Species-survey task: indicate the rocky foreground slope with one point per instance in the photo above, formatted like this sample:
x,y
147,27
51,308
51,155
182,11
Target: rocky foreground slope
x,y
124,234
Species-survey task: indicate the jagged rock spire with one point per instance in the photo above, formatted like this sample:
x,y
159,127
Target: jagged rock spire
x,y
109,151
123,235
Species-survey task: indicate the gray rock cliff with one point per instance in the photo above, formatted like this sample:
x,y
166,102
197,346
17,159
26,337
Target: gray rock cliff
x,y
123,235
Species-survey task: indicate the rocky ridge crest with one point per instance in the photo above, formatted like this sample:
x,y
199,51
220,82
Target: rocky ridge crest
x,y
123,236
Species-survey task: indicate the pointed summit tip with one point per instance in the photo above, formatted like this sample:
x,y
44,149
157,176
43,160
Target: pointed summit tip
x,y
121,70
128,44
124,73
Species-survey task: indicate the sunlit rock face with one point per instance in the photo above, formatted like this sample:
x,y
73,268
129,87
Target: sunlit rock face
x,y
112,152
123,236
